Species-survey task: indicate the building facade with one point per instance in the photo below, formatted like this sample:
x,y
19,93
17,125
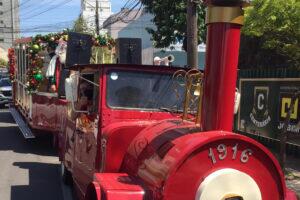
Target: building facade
x,y
9,25
134,24
88,12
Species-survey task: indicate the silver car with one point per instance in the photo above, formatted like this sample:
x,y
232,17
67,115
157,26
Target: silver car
x,y
5,91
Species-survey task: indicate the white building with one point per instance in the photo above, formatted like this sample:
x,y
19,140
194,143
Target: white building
x,y
88,12
9,25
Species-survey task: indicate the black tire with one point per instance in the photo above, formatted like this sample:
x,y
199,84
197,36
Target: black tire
x,y
66,175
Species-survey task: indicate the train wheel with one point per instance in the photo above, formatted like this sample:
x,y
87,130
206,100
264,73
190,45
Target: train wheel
x,y
66,175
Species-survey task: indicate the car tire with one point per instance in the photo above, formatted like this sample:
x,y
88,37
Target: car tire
x,y
66,175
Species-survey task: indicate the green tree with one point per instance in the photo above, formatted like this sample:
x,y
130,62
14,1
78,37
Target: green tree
x,y
271,33
3,62
80,26
170,21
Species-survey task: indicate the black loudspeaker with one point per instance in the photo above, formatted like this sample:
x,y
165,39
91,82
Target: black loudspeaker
x,y
79,49
129,50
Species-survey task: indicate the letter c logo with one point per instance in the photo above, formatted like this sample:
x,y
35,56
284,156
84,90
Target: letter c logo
x,y
260,100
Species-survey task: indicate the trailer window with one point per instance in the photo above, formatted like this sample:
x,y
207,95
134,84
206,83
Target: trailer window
x,y
143,90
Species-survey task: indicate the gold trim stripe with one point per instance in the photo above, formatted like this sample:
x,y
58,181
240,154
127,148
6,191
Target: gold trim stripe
x,y
233,15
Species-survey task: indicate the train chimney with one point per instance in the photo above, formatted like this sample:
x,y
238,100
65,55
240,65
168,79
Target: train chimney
x,y
224,21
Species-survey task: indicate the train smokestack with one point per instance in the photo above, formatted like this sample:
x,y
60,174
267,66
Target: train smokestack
x,y
224,22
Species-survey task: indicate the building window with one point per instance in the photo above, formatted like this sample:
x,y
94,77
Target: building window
x,y
1,13
1,30
1,22
1,39
1,4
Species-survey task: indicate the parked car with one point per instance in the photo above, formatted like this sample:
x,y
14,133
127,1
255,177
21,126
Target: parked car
x,y
3,70
5,91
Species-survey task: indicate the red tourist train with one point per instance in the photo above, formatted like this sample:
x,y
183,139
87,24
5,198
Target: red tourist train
x,y
151,132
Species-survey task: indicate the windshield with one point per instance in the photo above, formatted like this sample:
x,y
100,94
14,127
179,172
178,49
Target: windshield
x,y
5,82
143,90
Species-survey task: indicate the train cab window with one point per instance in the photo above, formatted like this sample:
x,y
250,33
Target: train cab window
x,y
88,92
143,91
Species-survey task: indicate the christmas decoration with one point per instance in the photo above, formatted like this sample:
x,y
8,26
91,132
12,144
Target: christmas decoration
x,y
50,42
38,77
40,43
104,41
11,63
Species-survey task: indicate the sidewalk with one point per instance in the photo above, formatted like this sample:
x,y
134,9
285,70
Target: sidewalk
x,y
293,174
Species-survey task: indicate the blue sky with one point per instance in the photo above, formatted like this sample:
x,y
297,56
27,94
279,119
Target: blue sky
x,y
65,12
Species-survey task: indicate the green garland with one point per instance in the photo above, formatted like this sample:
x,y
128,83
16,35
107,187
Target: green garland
x,y
38,44
104,41
43,42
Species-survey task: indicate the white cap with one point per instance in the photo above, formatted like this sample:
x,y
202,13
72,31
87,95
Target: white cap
x,y
157,59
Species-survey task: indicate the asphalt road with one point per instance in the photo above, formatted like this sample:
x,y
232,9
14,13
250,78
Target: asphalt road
x,y
28,169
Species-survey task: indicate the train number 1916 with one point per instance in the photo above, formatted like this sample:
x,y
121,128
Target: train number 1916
x,y
223,152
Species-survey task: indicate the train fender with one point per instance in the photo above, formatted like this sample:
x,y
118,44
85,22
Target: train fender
x,y
93,191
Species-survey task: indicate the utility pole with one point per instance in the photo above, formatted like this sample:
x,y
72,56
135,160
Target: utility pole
x,y
12,21
97,18
192,34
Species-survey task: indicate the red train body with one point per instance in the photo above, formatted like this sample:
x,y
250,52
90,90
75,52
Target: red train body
x,y
118,140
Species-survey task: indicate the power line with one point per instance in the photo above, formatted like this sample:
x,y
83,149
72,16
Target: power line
x,y
37,8
50,25
49,9
121,16
125,12
50,29
18,6
34,8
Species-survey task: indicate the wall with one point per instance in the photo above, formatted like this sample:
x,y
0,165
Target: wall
x,y
7,32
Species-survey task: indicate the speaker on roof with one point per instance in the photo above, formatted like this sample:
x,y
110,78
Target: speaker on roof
x,y
129,50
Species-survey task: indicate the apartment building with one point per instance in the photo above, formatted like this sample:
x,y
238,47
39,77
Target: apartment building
x,y
9,24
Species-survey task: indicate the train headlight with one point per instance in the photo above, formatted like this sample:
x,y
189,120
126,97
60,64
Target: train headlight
x,y
228,184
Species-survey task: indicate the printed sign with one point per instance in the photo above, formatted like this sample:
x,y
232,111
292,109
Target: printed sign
x,y
264,107
260,112
285,106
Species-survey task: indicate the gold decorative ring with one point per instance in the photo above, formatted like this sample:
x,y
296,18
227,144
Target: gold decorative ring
x,y
234,15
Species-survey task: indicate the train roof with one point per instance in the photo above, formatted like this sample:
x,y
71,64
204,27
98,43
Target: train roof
x,y
142,67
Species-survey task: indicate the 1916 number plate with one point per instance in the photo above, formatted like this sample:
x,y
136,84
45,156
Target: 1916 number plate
x,y
223,152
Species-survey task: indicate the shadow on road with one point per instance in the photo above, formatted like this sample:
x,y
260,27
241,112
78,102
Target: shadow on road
x,y
43,182
43,179
12,139
5,117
